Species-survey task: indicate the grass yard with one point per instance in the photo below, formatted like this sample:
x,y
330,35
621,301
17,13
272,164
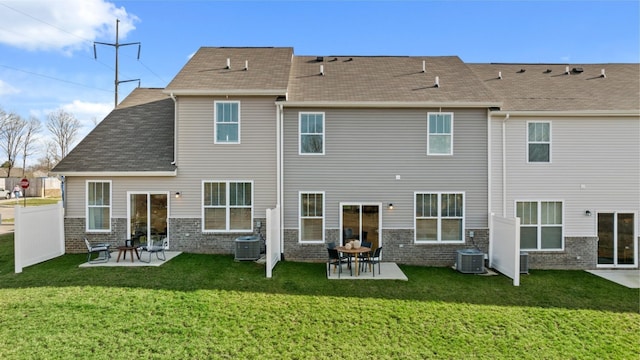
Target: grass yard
x,y
211,307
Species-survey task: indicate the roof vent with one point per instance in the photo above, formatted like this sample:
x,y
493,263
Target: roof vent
x,y
246,65
349,59
500,75
322,70
602,75
521,71
547,71
228,63
334,59
424,66
437,84
319,58
577,70
566,70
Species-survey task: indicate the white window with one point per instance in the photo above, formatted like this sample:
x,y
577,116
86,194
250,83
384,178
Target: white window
x,y
99,206
227,206
540,225
311,133
227,122
312,217
440,134
439,217
539,142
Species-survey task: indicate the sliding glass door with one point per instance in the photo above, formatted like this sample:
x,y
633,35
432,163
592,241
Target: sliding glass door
x,y
616,240
148,214
360,221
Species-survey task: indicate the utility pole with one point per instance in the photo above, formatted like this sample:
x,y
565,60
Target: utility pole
x,y
117,45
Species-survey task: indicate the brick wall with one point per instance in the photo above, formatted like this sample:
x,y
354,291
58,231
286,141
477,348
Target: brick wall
x,y
579,253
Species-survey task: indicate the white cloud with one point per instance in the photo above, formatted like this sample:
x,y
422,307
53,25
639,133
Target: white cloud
x,y
6,89
64,25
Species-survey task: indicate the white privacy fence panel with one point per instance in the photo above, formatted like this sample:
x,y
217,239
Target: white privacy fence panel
x,y
39,234
273,249
504,247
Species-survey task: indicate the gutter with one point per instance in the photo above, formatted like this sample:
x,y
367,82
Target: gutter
x,y
504,165
117,173
223,92
389,104
581,113
175,128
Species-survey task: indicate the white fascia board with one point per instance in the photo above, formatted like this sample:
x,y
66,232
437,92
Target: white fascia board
x,y
118,173
222,92
389,104
572,113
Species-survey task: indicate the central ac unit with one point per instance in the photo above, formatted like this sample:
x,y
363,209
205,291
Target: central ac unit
x,y
470,261
247,248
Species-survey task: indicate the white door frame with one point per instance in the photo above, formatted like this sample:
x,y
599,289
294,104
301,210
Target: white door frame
x,y
615,240
361,204
148,193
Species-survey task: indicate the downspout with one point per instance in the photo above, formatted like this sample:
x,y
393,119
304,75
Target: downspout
x,y
504,165
175,128
280,170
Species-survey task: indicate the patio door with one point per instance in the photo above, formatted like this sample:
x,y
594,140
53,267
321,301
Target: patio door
x,y
616,240
147,216
360,221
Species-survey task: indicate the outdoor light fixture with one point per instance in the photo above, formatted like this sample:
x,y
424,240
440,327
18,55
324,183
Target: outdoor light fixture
x,y
587,213
178,194
390,206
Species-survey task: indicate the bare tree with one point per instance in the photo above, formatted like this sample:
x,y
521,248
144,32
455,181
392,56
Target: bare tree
x,y
50,158
12,128
64,127
32,128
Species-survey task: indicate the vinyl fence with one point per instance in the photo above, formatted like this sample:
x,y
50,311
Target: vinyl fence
x,y
273,239
504,247
39,234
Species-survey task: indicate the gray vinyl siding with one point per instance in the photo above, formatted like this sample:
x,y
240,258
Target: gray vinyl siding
x,y
200,159
254,159
595,165
366,148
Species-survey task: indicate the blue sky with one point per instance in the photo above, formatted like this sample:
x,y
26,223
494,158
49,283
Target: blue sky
x,y
47,55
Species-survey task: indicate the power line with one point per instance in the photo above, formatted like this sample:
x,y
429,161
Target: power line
x,y
52,78
117,45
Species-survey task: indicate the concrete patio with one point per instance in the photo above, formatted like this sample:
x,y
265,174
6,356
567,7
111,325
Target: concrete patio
x,y
388,271
128,263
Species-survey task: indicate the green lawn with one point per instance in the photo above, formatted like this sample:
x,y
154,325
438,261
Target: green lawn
x,y
210,307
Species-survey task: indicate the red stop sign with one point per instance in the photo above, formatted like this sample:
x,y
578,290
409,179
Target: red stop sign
x,y
24,183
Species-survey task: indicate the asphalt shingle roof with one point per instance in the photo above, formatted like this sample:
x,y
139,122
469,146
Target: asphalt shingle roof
x,y
137,136
207,70
542,87
385,79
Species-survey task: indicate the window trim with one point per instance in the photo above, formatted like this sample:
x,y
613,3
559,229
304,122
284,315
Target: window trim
x,y
215,122
429,153
227,207
300,217
440,217
539,142
324,123
87,206
539,225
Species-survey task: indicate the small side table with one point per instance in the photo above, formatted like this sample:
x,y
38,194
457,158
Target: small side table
x,y
124,249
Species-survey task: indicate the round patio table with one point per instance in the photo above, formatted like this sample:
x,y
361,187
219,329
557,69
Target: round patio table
x,y
357,251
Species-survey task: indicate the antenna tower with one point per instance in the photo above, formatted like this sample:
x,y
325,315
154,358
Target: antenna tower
x,y
117,45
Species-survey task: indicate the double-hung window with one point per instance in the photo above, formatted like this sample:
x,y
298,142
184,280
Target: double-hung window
x,y
440,134
538,142
311,133
227,122
541,225
99,206
227,206
439,217
312,217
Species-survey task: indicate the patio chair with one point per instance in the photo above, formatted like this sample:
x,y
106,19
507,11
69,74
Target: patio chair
x,y
334,259
158,248
101,249
375,259
347,259
364,257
